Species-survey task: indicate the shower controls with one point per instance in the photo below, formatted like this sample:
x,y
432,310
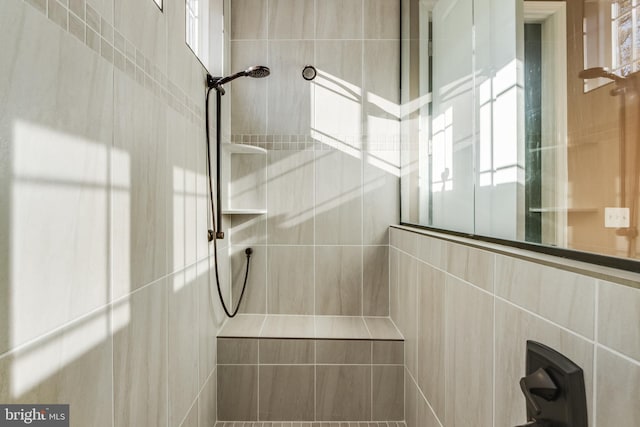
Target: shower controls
x,y
553,389
309,72
539,384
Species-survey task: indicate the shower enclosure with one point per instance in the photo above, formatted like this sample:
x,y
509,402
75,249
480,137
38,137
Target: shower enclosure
x,y
506,133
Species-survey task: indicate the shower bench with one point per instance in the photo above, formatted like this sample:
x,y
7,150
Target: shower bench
x,y
291,368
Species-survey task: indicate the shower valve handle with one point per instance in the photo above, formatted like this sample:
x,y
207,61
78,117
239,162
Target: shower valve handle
x,y
539,384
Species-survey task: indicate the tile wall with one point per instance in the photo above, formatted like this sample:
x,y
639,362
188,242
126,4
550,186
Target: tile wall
x,y
332,162
270,379
104,263
467,312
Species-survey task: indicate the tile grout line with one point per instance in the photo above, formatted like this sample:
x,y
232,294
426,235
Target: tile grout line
x,y
467,283
618,354
421,394
110,216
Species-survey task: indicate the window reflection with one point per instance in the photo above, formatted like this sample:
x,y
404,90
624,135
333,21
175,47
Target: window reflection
x,y
523,145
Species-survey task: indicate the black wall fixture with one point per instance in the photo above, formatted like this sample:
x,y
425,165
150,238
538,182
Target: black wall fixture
x,y
309,72
553,389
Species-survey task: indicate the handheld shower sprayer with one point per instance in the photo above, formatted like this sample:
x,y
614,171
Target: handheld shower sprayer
x,y
257,71
216,232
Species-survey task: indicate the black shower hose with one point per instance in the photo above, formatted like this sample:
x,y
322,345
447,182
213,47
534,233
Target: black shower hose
x,y
248,251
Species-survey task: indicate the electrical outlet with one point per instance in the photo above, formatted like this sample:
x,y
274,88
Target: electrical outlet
x,y
616,217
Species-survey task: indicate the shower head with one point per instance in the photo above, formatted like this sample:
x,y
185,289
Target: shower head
x,y
257,71
599,72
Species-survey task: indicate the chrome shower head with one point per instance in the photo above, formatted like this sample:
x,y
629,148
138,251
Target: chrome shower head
x,y
257,71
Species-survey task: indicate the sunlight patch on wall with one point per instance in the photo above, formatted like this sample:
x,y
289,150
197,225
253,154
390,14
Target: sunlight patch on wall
x,y
34,365
59,230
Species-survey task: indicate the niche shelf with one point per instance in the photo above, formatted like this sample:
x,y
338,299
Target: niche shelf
x,y
244,177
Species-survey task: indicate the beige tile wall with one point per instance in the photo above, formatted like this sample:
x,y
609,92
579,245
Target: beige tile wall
x,y
104,265
476,309
332,162
310,380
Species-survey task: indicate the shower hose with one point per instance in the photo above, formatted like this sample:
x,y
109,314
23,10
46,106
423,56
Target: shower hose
x,y
216,224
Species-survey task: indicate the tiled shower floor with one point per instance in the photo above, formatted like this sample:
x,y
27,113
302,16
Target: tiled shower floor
x,y
309,424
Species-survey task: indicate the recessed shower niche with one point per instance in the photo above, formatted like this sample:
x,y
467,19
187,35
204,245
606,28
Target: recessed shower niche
x,y
244,176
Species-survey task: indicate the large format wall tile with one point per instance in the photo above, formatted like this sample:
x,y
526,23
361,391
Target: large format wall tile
x,y
284,326
140,357
55,136
139,178
287,351
343,352
286,393
376,82
394,277
239,402
237,351
290,279
617,391
338,198
248,96
472,265
289,100
291,19
388,353
411,399
381,207
177,183
290,197
254,299
431,336
388,393
407,309
564,297
182,345
207,403
339,19
375,281
619,309
338,285
468,355
210,320
377,24
249,19
338,93
343,393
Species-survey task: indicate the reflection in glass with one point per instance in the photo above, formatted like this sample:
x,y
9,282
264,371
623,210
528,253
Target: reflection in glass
x,y
520,140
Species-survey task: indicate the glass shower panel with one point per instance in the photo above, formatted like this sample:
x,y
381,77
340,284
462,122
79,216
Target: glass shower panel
x,y
451,172
499,119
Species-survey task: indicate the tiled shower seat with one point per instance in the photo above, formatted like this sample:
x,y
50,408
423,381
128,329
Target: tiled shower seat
x,y
309,424
310,369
